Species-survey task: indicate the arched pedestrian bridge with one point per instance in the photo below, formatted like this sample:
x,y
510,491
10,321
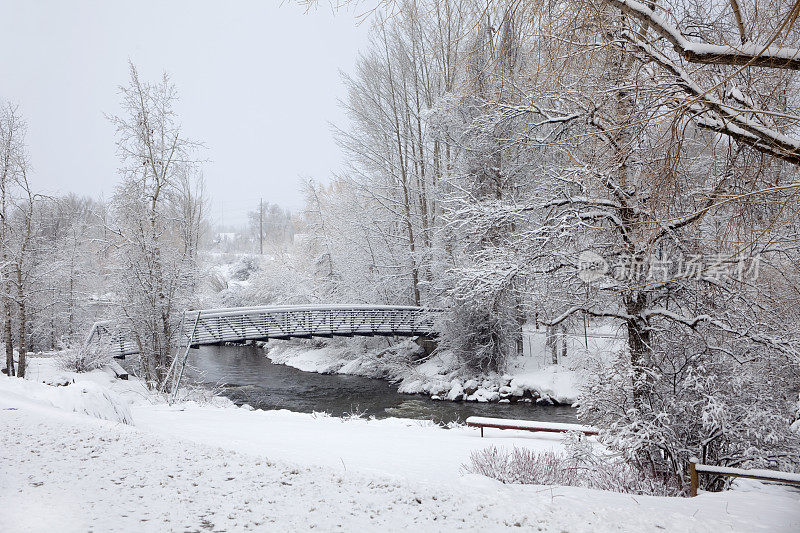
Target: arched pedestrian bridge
x,y
240,324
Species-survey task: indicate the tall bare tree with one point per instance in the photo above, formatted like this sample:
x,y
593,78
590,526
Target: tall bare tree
x,y
16,206
155,253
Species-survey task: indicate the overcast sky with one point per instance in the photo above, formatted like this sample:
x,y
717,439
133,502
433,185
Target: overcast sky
x,y
258,82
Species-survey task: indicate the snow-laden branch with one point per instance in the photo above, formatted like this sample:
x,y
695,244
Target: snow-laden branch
x,y
583,200
601,214
693,322
686,321
736,125
549,116
689,321
585,310
752,54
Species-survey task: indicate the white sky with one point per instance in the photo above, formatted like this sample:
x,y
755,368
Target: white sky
x,y
258,81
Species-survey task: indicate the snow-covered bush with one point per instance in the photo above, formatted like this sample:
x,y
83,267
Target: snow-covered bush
x,y
355,413
578,466
84,358
732,409
245,267
89,398
83,397
482,338
522,466
202,395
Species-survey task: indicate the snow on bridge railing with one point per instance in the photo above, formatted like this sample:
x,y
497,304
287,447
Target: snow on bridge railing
x,y
226,311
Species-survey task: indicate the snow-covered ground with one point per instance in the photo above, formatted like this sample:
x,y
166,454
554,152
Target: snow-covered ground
x,y
212,466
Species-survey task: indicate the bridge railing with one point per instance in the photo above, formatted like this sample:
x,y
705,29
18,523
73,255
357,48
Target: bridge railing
x,y
119,340
255,323
214,326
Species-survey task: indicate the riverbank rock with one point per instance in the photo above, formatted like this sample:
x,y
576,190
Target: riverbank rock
x,y
456,393
483,396
517,390
531,394
470,387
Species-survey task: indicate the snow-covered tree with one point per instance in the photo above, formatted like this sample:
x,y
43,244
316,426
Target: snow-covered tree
x,y
658,144
395,166
617,135
16,219
154,253
271,225
70,273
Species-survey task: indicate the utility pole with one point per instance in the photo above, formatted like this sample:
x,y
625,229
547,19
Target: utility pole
x,y
261,226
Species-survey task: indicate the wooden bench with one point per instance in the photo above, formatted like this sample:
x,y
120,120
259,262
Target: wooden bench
x,y
528,425
119,372
775,476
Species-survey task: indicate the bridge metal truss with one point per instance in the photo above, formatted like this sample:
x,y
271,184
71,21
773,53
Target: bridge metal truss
x,y
240,324
262,323
120,341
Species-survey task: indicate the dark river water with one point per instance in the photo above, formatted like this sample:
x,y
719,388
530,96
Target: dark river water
x,y
250,377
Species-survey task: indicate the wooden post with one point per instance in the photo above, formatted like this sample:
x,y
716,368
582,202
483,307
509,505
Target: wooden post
x,y
694,482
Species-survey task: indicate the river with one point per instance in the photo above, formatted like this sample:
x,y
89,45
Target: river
x,y
248,376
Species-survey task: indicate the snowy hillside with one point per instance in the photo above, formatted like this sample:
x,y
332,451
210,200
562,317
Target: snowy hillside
x,y
192,466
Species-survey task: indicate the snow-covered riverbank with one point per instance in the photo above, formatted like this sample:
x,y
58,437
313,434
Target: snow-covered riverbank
x,y
437,376
212,466
530,377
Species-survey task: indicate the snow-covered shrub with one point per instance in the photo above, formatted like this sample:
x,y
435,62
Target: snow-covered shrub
x,y
356,413
83,397
84,358
483,338
89,398
205,395
216,282
727,409
245,267
578,466
521,466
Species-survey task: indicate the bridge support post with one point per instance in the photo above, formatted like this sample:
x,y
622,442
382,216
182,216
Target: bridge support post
x,y
429,344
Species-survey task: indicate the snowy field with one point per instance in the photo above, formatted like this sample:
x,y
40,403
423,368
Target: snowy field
x,y
211,466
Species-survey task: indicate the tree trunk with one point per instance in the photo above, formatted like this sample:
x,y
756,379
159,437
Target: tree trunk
x,y
4,283
9,339
634,300
639,345
22,342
